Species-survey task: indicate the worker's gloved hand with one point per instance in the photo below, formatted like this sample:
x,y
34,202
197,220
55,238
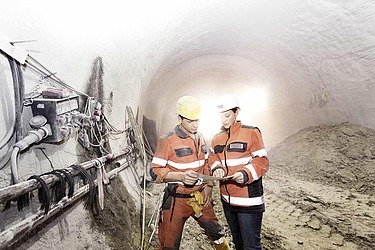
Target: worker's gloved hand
x,y
207,195
220,173
238,177
189,177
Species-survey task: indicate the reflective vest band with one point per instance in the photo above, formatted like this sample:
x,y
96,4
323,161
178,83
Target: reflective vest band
x,y
237,162
194,164
241,201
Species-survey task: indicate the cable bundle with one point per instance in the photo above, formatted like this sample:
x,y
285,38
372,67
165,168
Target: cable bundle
x,y
43,196
91,201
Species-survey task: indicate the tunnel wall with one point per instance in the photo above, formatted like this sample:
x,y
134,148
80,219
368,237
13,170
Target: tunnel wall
x,y
293,64
314,61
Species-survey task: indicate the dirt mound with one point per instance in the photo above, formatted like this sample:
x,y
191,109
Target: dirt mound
x,y
320,189
341,155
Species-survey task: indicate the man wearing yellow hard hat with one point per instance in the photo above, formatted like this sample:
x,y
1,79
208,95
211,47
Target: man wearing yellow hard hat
x,y
180,157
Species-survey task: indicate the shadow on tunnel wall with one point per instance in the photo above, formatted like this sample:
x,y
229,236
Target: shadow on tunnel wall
x,y
94,85
149,128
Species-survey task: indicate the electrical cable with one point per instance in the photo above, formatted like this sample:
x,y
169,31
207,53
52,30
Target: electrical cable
x,y
157,209
113,128
88,179
15,125
58,188
69,180
21,86
4,162
18,87
44,153
43,196
54,77
8,136
18,98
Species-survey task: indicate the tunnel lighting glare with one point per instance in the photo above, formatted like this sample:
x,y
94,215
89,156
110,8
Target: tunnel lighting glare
x,y
253,104
209,123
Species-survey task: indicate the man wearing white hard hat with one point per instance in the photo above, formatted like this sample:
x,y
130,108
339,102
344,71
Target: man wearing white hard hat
x,y
238,155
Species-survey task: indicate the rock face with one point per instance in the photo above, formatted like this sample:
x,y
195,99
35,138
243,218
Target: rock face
x,y
319,192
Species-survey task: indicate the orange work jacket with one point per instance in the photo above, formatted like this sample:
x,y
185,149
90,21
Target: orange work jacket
x,y
240,148
178,152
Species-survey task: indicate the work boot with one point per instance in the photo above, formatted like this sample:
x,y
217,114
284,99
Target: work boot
x,y
222,246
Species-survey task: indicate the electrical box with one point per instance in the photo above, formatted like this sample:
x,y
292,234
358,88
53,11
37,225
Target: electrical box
x,y
59,114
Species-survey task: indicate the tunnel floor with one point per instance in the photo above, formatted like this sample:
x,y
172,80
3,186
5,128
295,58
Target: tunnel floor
x,y
319,192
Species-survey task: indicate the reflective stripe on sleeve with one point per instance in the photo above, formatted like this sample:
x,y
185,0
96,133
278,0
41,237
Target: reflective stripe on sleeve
x,y
252,171
159,161
259,153
194,164
244,201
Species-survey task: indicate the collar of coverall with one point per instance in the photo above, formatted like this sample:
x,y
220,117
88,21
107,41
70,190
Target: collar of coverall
x,y
233,128
182,134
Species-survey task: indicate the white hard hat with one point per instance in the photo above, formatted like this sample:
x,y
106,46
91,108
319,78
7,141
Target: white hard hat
x,y
227,102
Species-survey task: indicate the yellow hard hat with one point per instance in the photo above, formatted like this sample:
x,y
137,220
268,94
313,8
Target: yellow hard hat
x,y
188,107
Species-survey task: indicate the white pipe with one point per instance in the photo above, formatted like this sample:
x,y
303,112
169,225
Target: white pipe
x,y
14,166
34,136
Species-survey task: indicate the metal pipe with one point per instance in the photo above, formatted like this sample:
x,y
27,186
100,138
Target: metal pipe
x,y
121,162
13,191
16,232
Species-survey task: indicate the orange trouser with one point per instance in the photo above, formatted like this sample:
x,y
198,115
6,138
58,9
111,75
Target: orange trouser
x,y
174,216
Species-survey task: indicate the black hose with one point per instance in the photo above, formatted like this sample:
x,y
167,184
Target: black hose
x,y
21,85
69,179
91,201
58,188
43,196
18,98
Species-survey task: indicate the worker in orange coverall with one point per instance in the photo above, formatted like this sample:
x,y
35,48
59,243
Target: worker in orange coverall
x,y
238,152
180,157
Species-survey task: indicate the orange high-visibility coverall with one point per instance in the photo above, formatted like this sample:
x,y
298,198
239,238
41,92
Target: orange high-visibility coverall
x,y
178,152
240,149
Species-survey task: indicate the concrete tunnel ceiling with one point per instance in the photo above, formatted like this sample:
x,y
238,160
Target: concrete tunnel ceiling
x,y
292,63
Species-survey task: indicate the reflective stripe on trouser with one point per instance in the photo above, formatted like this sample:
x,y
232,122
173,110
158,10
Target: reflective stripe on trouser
x,y
170,228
